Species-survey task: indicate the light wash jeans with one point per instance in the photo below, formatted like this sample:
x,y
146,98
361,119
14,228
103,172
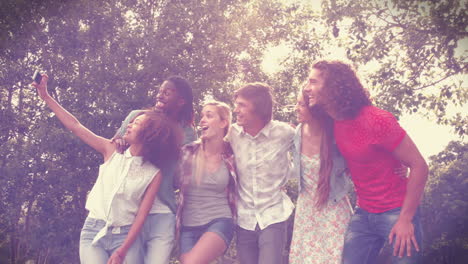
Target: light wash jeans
x,y
100,253
158,236
367,233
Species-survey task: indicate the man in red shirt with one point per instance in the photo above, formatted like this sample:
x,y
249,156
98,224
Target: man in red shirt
x,y
373,144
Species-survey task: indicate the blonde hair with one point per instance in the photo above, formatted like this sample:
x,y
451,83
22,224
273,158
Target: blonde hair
x,y
225,114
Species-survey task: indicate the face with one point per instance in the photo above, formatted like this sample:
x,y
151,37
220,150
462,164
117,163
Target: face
x,y
211,123
302,111
313,87
168,99
245,112
134,129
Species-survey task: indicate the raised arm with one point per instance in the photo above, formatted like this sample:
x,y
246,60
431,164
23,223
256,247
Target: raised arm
x,y
102,145
403,230
145,206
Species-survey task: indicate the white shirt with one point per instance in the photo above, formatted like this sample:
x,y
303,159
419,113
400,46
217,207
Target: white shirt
x,y
263,167
119,189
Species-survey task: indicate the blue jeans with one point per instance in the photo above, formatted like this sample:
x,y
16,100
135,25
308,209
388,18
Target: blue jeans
x,y
158,234
367,233
189,235
100,253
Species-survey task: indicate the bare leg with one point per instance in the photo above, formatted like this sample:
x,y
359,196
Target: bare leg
x,y
208,248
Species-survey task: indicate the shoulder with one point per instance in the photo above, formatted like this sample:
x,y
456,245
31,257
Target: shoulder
x,y
280,128
191,147
375,113
133,113
235,128
234,132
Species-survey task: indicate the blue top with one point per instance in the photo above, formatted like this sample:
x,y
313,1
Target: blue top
x,y
166,189
339,178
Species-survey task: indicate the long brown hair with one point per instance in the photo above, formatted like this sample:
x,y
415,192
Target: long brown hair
x,y
326,153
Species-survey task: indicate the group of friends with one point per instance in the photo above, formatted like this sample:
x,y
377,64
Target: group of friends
x,y
161,184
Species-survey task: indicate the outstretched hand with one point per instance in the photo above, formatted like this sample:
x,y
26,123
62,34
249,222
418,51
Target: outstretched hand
x,y
403,233
42,86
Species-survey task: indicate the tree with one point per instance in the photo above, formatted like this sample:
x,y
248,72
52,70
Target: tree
x,y
415,50
445,207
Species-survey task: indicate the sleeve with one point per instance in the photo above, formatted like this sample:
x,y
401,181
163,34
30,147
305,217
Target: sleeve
x,y
189,135
387,132
123,127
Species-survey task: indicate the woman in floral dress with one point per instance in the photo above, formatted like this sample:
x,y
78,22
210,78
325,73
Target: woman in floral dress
x,y
322,209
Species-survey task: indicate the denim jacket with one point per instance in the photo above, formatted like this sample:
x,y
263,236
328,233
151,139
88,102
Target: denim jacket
x,y
339,178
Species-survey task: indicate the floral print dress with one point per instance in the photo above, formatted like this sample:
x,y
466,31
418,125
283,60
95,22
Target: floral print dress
x,y
318,235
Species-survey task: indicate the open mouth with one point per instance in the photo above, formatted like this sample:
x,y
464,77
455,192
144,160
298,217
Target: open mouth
x,y
160,104
202,128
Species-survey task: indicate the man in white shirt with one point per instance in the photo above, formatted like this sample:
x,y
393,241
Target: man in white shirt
x,y
260,147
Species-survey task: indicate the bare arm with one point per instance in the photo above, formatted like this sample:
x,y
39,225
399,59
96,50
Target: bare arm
x,y
102,145
403,230
145,206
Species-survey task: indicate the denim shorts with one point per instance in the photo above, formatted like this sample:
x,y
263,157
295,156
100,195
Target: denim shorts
x,y
189,235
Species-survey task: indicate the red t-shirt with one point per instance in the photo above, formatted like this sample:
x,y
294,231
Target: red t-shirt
x,y
367,143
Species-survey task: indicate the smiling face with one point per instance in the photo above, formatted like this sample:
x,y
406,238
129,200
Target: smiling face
x,y
134,129
211,123
245,112
168,99
313,88
302,111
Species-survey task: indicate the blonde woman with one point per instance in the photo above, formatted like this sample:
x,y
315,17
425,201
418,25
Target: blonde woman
x,y
207,181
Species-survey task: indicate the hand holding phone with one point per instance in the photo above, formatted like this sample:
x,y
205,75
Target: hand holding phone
x,y
40,83
37,77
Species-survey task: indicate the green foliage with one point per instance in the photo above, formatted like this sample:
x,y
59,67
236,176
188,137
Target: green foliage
x,y
445,207
414,50
105,58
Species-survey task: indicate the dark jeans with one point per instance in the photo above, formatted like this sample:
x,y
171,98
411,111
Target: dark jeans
x,y
367,233
262,246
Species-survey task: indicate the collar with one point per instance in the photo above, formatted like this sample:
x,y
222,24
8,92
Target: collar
x,y
266,130
137,159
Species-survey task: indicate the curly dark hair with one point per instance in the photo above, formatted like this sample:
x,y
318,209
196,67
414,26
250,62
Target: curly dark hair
x,y
342,92
161,138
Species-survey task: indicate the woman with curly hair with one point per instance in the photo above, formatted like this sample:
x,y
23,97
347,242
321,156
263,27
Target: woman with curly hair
x,y
175,99
128,185
373,145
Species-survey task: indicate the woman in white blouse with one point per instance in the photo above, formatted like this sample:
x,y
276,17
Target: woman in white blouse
x,y
126,186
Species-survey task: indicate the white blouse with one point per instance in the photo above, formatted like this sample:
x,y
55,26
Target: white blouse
x,y
119,189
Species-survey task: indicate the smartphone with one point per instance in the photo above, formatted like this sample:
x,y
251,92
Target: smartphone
x,y
37,77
